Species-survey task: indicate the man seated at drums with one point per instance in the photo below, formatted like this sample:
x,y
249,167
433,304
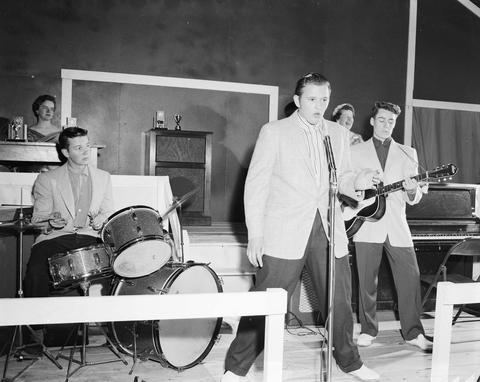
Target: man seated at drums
x,y
71,202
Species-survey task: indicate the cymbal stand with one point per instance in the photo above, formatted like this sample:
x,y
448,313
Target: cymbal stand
x,y
182,254
18,351
85,286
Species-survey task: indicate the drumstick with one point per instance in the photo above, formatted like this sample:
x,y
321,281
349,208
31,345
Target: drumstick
x,y
92,223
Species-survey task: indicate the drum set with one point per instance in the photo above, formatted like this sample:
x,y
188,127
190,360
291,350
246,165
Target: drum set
x,y
139,257
137,254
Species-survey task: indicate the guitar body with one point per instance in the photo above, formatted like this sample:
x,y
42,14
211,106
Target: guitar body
x,y
369,210
372,208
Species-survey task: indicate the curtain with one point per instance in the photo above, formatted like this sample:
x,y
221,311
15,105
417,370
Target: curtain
x,y
448,136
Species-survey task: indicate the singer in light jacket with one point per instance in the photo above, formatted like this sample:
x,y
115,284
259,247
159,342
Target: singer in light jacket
x,y
286,205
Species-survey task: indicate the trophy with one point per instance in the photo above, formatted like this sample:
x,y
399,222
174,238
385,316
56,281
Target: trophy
x,y
71,122
17,131
177,118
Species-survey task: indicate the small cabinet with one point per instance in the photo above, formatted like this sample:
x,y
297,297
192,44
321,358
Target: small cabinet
x,y
186,158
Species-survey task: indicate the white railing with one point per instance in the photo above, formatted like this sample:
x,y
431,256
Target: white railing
x,y
448,294
55,310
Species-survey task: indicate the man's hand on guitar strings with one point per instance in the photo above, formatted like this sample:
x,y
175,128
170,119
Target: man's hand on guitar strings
x,y
410,184
367,179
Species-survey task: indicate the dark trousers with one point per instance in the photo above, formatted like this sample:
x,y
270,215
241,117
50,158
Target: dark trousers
x,y
37,281
406,276
280,273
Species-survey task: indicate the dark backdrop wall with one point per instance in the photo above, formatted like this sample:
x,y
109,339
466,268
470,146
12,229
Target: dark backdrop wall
x,y
361,46
448,52
448,58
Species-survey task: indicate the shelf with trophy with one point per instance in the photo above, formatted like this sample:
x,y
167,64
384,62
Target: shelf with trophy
x,y
186,158
19,154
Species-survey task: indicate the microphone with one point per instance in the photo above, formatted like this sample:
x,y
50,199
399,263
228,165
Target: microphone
x,y
330,158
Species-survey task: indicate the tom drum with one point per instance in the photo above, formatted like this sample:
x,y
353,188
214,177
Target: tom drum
x,y
140,244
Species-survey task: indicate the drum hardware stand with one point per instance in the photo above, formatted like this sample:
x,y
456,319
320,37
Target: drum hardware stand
x,y
326,375
85,286
22,225
135,354
177,204
182,253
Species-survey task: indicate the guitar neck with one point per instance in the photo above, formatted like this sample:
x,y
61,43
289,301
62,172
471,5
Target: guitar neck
x,y
398,185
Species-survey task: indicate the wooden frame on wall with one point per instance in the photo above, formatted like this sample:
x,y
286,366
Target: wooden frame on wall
x,y
410,101
69,75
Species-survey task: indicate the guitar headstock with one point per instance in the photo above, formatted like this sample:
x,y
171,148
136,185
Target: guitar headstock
x,y
443,173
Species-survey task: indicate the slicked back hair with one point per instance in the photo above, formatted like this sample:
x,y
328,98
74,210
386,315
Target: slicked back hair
x,y
395,109
311,78
68,133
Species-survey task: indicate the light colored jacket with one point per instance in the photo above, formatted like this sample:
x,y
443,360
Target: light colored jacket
x,y
281,194
52,192
401,161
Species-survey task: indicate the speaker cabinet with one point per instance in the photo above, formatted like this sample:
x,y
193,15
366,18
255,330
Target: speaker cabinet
x,y
186,158
303,305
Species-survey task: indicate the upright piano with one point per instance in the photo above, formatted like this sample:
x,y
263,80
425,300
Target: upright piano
x,y
446,215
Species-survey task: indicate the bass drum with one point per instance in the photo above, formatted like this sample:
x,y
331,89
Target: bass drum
x,y
179,344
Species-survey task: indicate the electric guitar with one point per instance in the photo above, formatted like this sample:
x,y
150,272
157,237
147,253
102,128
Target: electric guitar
x,y
372,208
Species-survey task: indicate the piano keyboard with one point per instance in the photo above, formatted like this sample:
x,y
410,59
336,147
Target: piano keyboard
x,y
444,236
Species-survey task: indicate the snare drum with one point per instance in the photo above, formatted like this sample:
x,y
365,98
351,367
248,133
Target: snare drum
x,y
179,344
140,244
82,264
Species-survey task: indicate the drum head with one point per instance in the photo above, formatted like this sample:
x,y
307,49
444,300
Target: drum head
x,y
185,343
142,258
130,209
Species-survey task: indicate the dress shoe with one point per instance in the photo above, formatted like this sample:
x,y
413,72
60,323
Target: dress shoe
x,y
365,339
365,374
230,377
421,342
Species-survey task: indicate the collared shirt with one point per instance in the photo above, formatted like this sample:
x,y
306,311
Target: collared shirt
x,y
316,151
382,150
82,194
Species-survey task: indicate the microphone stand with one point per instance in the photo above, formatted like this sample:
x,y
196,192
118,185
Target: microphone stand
x,y
331,252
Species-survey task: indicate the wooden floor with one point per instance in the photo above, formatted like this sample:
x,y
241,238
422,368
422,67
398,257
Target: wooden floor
x,y
389,355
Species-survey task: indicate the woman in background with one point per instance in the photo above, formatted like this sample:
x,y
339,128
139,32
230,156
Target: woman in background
x,y
344,114
43,131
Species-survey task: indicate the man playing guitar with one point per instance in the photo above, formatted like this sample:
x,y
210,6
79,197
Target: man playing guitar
x,y
393,161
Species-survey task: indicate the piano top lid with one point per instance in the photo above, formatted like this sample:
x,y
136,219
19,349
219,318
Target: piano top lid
x,y
446,201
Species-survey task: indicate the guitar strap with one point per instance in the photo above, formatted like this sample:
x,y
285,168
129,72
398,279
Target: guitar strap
x,y
411,158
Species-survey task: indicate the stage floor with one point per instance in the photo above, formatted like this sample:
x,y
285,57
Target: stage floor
x,y
389,355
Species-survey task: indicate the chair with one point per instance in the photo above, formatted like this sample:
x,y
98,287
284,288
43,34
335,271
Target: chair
x,y
469,247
